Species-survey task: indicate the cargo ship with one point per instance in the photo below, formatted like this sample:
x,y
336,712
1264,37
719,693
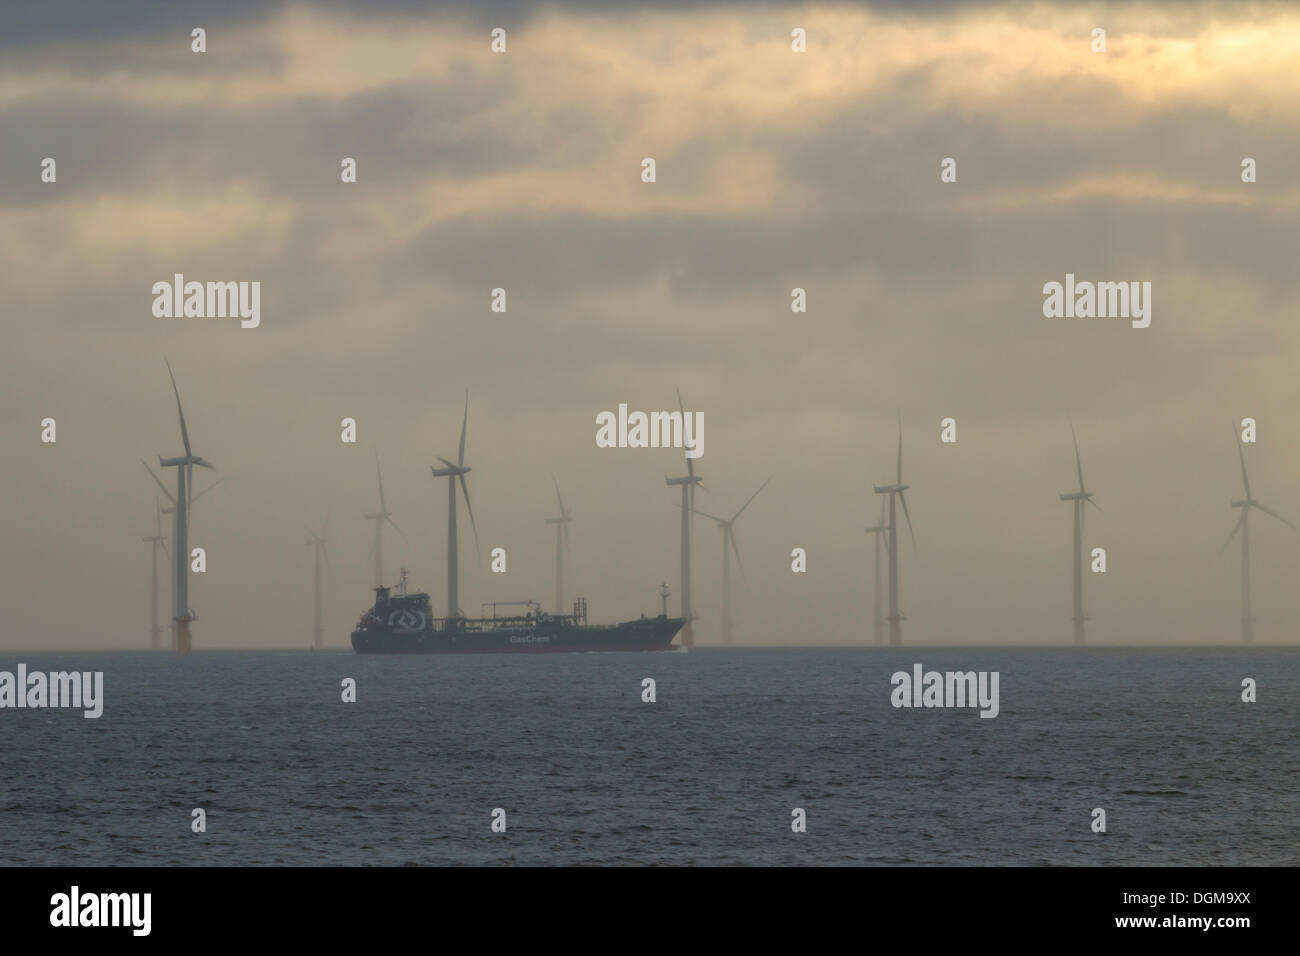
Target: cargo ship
x,y
403,623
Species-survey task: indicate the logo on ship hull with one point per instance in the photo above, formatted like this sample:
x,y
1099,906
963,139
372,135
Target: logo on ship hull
x,y
406,621
530,639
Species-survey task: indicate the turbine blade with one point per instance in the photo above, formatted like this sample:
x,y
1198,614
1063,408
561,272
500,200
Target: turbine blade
x,y
690,463
1242,455
1270,511
445,461
903,498
565,526
185,435
900,449
881,522
206,490
463,424
563,513
383,508
751,498
707,515
1235,528
1078,463
170,496
731,536
395,528
470,508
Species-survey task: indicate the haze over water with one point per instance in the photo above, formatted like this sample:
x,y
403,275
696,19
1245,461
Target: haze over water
x,y
708,774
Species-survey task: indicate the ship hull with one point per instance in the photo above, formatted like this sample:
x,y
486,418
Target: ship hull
x,y
646,634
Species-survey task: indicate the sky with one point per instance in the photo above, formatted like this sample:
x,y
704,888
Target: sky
x,y
774,170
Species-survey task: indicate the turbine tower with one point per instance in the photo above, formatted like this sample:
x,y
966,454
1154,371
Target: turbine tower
x,y
688,483
1081,498
1243,525
380,518
159,542
184,465
561,529
895,492
452,473
318,541
880,529
156,630
728,546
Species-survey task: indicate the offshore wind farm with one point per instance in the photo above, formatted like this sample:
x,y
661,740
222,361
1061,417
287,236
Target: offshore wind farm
x,y
880,564
880,561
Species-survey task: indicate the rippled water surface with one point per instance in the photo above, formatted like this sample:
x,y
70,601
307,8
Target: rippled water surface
x,y
709,773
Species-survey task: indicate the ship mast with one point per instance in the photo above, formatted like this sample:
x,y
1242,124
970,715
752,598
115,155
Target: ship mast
x,y
663,596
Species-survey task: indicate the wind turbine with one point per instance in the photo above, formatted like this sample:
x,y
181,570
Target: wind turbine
x,y
880,529
728,546
688,483
895,492
452,473
380,518
170,510
159,542
318,541
1081,498
184,465
561,528
1243,525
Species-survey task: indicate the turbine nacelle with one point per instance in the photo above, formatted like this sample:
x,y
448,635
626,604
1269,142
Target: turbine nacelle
x,y
890,489
183,460
451,470
687,480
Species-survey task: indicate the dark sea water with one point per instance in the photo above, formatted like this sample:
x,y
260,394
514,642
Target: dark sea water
x,y
708,774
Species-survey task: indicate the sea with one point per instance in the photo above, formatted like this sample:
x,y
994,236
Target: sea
x,y
561,760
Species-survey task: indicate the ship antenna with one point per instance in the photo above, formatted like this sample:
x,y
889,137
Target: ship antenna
x,y
401,588
663,594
